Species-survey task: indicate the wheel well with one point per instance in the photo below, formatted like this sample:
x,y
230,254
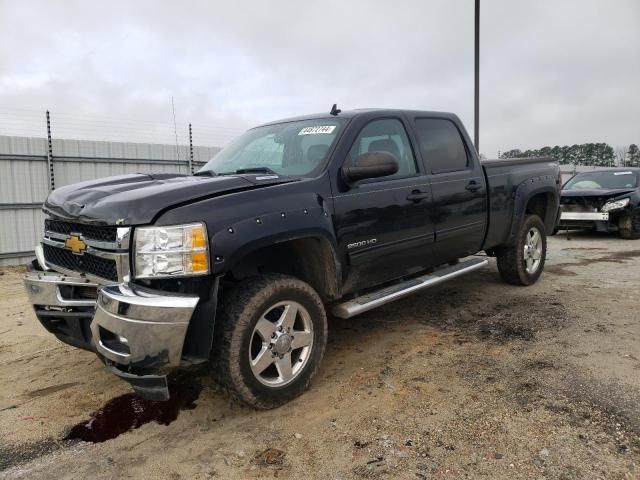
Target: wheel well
x,y
312,260
540,205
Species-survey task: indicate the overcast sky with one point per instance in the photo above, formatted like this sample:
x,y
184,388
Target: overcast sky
x,y
552,72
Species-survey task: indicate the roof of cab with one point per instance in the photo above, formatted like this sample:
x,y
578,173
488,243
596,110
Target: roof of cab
x,y
369,112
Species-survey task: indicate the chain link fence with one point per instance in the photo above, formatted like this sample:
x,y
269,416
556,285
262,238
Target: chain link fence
x,y
30,167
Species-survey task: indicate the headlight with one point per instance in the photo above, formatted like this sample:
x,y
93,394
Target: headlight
x,y
181,250
607,207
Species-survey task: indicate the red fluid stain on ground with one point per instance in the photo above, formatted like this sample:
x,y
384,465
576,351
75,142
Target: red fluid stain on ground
x,y
129,411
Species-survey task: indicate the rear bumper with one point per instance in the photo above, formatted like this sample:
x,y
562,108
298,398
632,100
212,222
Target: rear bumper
x,y
138,332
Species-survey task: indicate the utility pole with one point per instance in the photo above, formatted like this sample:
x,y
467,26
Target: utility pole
x,y
476,92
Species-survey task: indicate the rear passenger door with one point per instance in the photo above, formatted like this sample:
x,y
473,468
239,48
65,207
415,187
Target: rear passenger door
x,y
459,206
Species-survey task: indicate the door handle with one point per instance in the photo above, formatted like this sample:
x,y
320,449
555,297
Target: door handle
x,y
472,186
417,196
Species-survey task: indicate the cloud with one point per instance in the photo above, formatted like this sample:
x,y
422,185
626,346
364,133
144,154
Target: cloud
x,y
552,72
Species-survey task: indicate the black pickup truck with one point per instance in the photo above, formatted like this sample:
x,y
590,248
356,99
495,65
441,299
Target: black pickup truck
x,y
238,264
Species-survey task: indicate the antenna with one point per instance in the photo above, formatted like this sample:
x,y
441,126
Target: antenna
x,y
335,110
175,128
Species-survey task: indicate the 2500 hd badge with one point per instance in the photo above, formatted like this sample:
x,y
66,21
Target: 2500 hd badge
x,y
364,243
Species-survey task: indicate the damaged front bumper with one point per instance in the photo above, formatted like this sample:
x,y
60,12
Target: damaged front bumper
x,y
606,222
138,332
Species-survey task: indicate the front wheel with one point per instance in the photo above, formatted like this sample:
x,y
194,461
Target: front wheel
x,y
274,333
629,225
522,263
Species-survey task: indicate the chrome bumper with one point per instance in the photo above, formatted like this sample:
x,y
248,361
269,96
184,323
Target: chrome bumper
x,y
46,289
134,329
141,327
64,305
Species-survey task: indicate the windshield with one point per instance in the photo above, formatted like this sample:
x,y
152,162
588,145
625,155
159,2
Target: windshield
x,y
603,180
292,148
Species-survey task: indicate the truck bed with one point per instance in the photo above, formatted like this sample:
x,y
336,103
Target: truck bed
x,y
507,181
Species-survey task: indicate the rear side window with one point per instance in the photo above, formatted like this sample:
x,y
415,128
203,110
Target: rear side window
x,y
441,145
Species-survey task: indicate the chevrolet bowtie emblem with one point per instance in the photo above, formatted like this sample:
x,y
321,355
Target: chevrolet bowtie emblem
x,y
75,244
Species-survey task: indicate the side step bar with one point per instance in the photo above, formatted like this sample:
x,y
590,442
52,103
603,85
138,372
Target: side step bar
x,y
375,299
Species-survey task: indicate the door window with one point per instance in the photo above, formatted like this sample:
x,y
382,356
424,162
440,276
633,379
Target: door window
x,y
441,145
386,135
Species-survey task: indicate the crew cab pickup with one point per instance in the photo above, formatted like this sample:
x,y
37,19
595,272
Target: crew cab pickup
x,y
238,264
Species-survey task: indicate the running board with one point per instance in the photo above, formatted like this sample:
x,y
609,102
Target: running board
x,y
375,299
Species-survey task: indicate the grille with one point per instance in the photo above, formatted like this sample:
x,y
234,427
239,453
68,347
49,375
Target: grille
x,y
586,203
577,207
106,233
87,263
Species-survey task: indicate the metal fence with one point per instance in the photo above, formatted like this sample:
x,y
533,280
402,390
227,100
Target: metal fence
x,y
28,170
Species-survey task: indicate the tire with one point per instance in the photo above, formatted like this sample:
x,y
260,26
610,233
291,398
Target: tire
x,y
629,225
251,342
512,260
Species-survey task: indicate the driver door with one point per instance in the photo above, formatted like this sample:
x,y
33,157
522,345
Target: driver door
x,y
383,224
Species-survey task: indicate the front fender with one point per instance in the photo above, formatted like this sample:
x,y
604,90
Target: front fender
x,y
243,237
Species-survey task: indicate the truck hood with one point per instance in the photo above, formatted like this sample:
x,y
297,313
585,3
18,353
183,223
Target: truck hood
x,y
138,199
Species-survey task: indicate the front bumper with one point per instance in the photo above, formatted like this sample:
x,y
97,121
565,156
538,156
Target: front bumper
x,y
138,332
605,222
581,216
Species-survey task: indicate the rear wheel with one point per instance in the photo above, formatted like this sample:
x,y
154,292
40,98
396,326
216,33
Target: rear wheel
x,y
274,334
522,263
629,225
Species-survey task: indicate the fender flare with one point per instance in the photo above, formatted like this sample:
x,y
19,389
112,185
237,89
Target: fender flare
x,y
275,239
525,192
246,236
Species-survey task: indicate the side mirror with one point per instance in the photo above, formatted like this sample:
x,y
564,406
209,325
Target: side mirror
x,y
371,165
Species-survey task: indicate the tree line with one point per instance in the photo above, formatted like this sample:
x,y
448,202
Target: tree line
x,y
591,154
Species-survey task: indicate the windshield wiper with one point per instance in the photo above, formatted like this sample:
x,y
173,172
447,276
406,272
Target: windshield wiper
x,y
202,173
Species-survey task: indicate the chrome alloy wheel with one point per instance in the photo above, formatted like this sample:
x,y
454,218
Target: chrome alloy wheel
x,y
281,344
532,250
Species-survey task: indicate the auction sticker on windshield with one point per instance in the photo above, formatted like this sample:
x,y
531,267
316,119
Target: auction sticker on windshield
x,y
623,173
320,129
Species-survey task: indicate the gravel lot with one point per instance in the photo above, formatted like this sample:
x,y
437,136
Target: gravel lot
x,y
470,379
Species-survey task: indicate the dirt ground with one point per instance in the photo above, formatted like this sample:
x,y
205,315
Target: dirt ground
x,y
471,379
